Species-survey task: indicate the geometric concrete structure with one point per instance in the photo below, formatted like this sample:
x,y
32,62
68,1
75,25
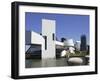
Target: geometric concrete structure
x,y
34,42
48,32
46,42
33,38
69,42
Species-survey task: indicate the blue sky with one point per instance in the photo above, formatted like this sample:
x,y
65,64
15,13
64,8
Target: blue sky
x,y
67,25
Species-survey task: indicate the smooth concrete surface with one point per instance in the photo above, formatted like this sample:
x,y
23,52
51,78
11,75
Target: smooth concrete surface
x,y
48,30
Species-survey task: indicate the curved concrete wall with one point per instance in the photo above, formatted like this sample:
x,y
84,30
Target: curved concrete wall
x,y
59,43
69,42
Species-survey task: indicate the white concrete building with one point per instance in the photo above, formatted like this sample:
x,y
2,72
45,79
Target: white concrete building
x,y
47,40
33,38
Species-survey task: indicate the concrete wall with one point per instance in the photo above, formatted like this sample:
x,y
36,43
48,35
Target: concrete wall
x,y
48,29
33,38
69,42
36,38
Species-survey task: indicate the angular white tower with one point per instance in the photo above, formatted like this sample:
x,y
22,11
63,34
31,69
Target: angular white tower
x,y
48,32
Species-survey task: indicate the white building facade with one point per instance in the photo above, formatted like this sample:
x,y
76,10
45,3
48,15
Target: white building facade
x,y
46,40
48,32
